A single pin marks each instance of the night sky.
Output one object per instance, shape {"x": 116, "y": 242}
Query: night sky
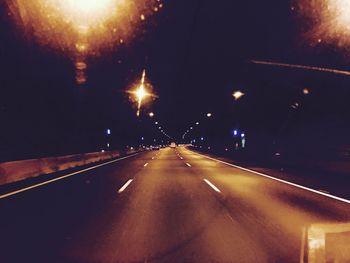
{"x": 196, "y": 54}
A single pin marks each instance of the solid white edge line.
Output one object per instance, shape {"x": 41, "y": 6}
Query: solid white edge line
{"x": 188, "y": 165}
{"x": 124, "y": 186}
{"x": 145, "y": 165}
{"x": 63, "y": 177}
{"x": 277, "y": 179}
{"x": 212, "y": 186}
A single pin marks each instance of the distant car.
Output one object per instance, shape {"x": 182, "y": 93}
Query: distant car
{"x": 155, "y": 148}
{"x": 173, "y": 145}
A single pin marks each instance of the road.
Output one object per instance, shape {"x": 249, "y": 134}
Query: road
{"x": 171, "y": 205}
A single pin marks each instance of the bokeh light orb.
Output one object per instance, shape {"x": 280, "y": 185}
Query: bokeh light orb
{"x": 324, "y": 22}
{"x": 83, "y": 26}
{"x": 341, "y": 11}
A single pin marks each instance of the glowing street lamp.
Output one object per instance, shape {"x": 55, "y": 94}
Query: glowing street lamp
{"x": 209, "y": 114}
{"x": 328, "y": 21}
{"x": 306, "y": 91}
{"x": 80, "y": 28}
{"x": 151, "y": 114}
{"x": 238, "y": 94}
{"x": 141, "y": 94}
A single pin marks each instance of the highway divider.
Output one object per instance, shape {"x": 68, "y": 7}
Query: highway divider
{"x": 15, "y": 171}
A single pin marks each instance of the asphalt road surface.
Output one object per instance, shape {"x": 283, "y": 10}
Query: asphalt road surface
{"x": 171, "y": 205}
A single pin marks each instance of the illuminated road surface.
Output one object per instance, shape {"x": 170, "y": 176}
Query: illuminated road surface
{"x": 162, "y": 206}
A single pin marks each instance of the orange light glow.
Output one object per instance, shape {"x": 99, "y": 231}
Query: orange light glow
{"x": 306, "y": 91}
{"x": 70, "y": 24}
{"x": 80, "y": 28}
{"x": 238, "y": 94}
{"x": 141, "y": 94}
{"x": 85, "y": 12}
{"x": 324, "y": 21}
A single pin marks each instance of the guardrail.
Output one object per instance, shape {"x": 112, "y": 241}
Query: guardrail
{"x": 15, "y": 171}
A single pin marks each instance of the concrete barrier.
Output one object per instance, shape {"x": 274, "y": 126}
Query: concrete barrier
{"x": 20, "y": 170}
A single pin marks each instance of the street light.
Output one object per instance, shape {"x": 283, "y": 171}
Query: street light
{"x": 80, "y": 28}
{"x": 209, "y": 114}
{"x": 108, "y": 132}
{"x": 306, "y": 91}
{"x": 141, "y": 94}
{"x": 238, "y": 94}
{"x": 151, "y": 114}
{"x": 341, "y": 9}
{"x": 328, "y": 22}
